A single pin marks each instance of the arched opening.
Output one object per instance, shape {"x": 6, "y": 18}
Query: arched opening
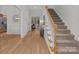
{"x": 3, "y": 23}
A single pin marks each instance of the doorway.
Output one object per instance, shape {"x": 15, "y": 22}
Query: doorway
{"x": 35, "y": 22}
{"x": 3, "y": 23}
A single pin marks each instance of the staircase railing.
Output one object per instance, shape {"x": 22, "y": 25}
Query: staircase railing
{"x": 54, "y": 30}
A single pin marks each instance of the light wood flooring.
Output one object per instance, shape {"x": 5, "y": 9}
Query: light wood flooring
{"x": 30, "y": 44}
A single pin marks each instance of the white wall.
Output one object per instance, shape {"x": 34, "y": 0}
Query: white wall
{"x": 24, "y": 24}
{"x": 12, "y": 26}
{"x": 70, "y": 15}
{"x": 25, "y": 21}
{"x": 0, "y": 8}
{"x": 35, "y": 12}
{"x": 26, "y": 13}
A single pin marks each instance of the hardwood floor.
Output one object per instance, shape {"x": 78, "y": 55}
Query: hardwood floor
{"x": 7, "y": 42}
{"x": 31, "y": 44}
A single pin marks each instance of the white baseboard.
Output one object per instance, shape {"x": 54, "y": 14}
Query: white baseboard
{"x": 13, "y": 33}
{"x": 76, "y": 37}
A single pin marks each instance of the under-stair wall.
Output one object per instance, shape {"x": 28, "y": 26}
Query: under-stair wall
{"x": 70, "y": 16}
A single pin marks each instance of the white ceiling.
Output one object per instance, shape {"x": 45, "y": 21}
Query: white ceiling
{"x": 29, "y": 7}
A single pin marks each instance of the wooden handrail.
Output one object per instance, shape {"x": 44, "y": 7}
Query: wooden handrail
{"x": 54, "y": 29}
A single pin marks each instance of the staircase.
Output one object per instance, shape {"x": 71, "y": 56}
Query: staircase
{"x": 64, "y": 39}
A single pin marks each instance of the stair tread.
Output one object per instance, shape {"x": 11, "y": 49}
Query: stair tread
{"x": 65, "y": 43}
{"x": 59, "y": 22}
{"x": 71, "y": 44}
{"x": 66, "y": 40}
{"x": 63, "y": 30}
{"x": 61, "y": 25}
{"x": 64, "y": 35}
{"x": 68, "y": 50}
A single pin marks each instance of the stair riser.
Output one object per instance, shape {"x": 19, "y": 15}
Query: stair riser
{"x": 53, "y": 13}
{"x": 62, "y": 27}
{"x": 68, "y": 50}
{"x": 65, "y": 44}
{"x": 62, "y": 42}
{"x": 55, "y": 16}
{"x": 68, "y": 53}
{"x": 63, "y": 32}
{"x": 57, "y": 20}
{"x": 59, "y": 23}
{"x": 64, "y": 38}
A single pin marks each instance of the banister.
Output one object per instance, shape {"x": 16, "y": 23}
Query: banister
{"x": 54, "y": 29}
